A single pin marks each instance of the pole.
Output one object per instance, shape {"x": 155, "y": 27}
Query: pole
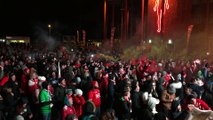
{"x": 125, "y": 19}
{"x": 142, "y": 21}
{"x": 162, "y": 18}
{"x": 49, "y": 29}
{"x": 113, "y": 14}
{"x": 112, "y": 26}
{"x": 105, "y": 26}
{"x": 207, "y": 23}
{"x": 122, "y": 26}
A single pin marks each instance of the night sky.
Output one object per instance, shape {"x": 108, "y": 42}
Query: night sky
{"x": 22, "y": 17}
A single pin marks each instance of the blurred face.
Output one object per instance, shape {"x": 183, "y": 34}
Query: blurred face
{"x": 75, "y": 118}
{"x": 128, "y": 94}
{"x": 63, "y": 82}
{"x": 70, "y": 101}
{"x": 6, "y": 62}
{"x": 137, "y": 87}
{"x": 53, "y": 74}
{"x": 122, "y": 71}
{"x": 34, "y": 76}
{"x": 106, "y": 75}
{"x": 96, "y": 85}
{"x": 27, "y": 71}
{"x": 188, "y": 91}
{"x": 9, "y": 90}
{"x": 193, "y": 101}
{"x": 24, "y": 105}
{"x": 13, "y": 78}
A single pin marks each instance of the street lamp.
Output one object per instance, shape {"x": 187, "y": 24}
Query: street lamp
{"x": 49, "y": 28}
{"x": 150, "y": 41}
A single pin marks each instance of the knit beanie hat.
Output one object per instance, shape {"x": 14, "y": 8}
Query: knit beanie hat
{"x": 79, "y": 92}
{"x": 161, "y": 80}
{"x": 94, "y": 83}
{"x": 78, "y": 80}
{"x": 178, "y": 77}
{"x": 171, "y": 89}
{"x": 69, "y": 91}
{"x": 19, "y": 117}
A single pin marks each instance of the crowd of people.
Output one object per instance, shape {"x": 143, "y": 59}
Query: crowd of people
{"x": 48, "y": 85}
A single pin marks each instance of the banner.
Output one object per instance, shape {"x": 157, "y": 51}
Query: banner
{"x": 190, "y": 27}
{"x": 84, "y": 37}
{"x": 112, "y": 38}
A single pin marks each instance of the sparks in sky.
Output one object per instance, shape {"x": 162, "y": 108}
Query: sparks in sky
{"x": 158, "y": 9}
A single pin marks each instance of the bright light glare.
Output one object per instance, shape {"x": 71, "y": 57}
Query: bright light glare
{"x": 207, "y": 53}
{"x": 49, "y": 26}
{"x": 17, "y": 41}
{"x": 169, "y": 41}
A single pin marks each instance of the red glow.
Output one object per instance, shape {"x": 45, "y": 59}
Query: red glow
{"x": 157, "y": 8}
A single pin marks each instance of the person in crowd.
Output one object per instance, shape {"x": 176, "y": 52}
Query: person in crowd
{"x": 33, "y": 83}
{"x": 108, "y": 115}
{"x": 177, "y": 112}
{"x": 45, "y": 102}
{"x": 68, "y": 107}
{"x": 136, "y": 100}
{"x": 71, "y": 117}
{"x": 88, "y": 111}
{"x": 14, "y": 85}
{"x": 78, "y": 101}
{"x": 95, "y": 96}
{"x": 104, "y": 91}
{"x": 9, "y": 101}
{"x": 149, "y": 111}
{"x": 53, "y": 80}
{"x": 5, "y": 78}
{"x": 167, "y": 97}
{"x": 59, "y": 95}
{"x": 2, "y": 106}
{"x": 24, "y": 109}
{"x": 198, "y": 103}
{"x": 24, "y": 81}
{"x": 124, "y": 106}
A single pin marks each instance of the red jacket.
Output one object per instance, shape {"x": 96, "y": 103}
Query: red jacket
{"x": 78, "y": 102}
{"x": 24, "y": 83}
{"x": 201, "y": 105}
{"x": 95, "y": 97}
{"x": 33, "y": 85}
{"x": 4, "y": 80}
{"x": 67, "y": 110}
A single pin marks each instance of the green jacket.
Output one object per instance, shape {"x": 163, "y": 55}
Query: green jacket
{"x": 45, "y": 101}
